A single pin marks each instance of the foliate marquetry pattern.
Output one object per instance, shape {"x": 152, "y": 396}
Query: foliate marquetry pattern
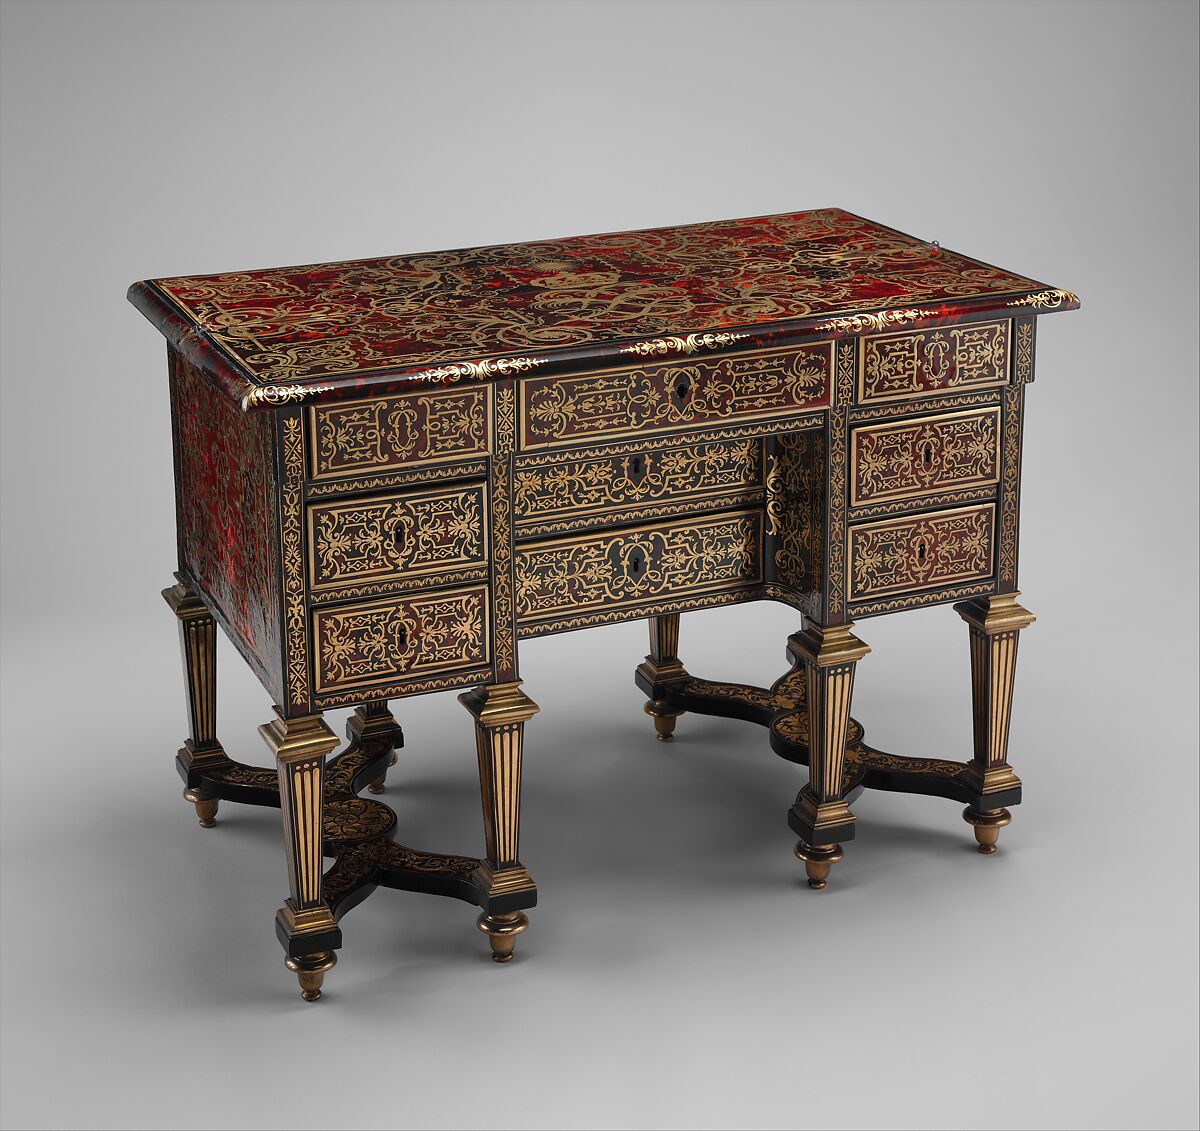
{"x": 365, "y": 644}
{"x": 673, "y": 396}
{"x": 1049, "y": 299}
{"x": 668, "y": 285}
{"x": 922, "y": 405}
{"x": 412, "y": 685}
{"x": 566, "y": 577}
{"x": 687, "y": 505}
{"x": 915, "y": 600}
{"x": 405, "y": 582}
{"x": 291, "y": 539}
{"x": 660, "y": 607}
{"x": 503, "y": 565}
{"x": 227, "y": 478}
{"x": 837, "y": 474}
{"x": 1010, "y": 487}
{"x": 396, "y": 536}
{"x": 925, "y": 455}
{"x": 401, "y": 430}
{"x": 566, "y": 484}
{"x": 1023, "y": 351}
{"x": 928, "y": 361}
{"x": 795, "y": 513}
{"x": 921, "y": 552}
{"x": 936, "y": 499}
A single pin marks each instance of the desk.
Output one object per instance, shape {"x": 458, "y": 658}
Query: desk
{"x": 388, "y": 472}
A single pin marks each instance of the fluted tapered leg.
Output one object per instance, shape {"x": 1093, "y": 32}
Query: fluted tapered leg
{"x": 198, "y": 642}
{"x": 821, "y": 815}
{"x": 305, "y": 925}
{"x": 501, "y": 711}
{"x": 660, "y": 668}
{"x": 995, "y": 624}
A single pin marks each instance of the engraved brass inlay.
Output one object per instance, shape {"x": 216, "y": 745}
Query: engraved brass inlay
{"x": 620, "y": 402}
{"x": 921, "y": 552}
{"x": 291, "y": 536}
{"x": 363, "y": 644}
{"x": 556, "y": 579}
{"x": 922, "y": 456}
{"x": 917, "y": 364}
{"x": 844, "y": 390}
{"x": 416, "y": 533}
{"x": 1050, "y": 299}
{"x": 408, "y": 428}
{"x": 563, "y": 484}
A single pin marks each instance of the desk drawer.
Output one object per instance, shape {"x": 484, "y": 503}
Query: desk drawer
{"x": 411, "y": 637}
{"x": 560, "y": 491}
{"x": 924, "y": 363}
{"x": 613, "y": 570}
{"x": 397, "y": 537}
{"x": 924, "y": 455}
{"x": 674, "y": 396}
{"x": 920, "y": 552}
{"x": 404, "y": 430}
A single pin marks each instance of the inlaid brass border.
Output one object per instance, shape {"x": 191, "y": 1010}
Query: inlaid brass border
{"x": 943, "y": 487}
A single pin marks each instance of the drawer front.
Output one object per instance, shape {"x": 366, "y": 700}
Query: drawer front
{"x": 675, "y": 396}
{"x": 927, "y": 362}
{"x": 397, "y": 536}
{"x": 406, "y": 430}
{"x": 612, "y": 570}
{"x": 381, "y": 642}
{"x": 922, "y": 552}
{"x": 924, "y": 455}
{"x": 589, "y": 487}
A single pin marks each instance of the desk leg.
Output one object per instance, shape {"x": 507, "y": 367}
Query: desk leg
{"x": 198, "y": 640}
{"x": 821, "y": 815}
{"x": 305, "y": 924}
{"x": 995, "y": 624}
{"x": 379, "y": 711}
{"x": 501, "y": 711}
{"x": 662, "y": 667}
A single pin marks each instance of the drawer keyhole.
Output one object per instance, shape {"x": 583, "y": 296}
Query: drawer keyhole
{"x": 637, "y": 469}
{"x": 921, "y": 553}
{"x": 681, "y": 390}
{"x": 927, "y": 456}
{"x": 636, "y": 563}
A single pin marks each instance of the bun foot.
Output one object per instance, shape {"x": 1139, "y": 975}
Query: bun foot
{"x": 310, "y": 969}
{"x": 818, "y": 859}
{"x": 987, "y": 824}
{"x": 502, "y": 931}
{"x": 664, "y": 719}
{"x": 206, "y": 807}
{"x": 379, "y": 784}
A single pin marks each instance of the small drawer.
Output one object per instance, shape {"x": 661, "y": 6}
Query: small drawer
{"x": 924, "y": 455}
{"x": 398, "y": 536}
{"x": 382, "y": 642}
{"x": 921, "y": 552}
{"x": 924, "y": 363}
{"x": 674, "y": 396}
{"x": 615, "y": 570}
{"x": 405, "y": 430}
{"x": 566, "y": 490}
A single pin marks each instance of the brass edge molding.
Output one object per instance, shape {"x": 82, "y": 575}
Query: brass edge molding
{"x": 1050, "y": 299}
{"x": 692, "y": 343}
{"x": 476, "y": 370}
{"x": 882, "y": 320}
{"x": 299, "y": 737}
{"x": 281, "y": 394}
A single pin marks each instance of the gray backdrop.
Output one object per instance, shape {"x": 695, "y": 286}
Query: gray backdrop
{"x": 677, "y": 972}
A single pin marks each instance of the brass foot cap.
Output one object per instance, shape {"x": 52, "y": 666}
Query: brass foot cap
{"x": 664, "y": 719}
{"x": 818, "y": 859}
{"x": 376, "y": 787}
{"x": 987, "y": 824}
{"x": 206, "y": 807}
{"x": 310, "y": 969}
{"x": 502, "y": 932}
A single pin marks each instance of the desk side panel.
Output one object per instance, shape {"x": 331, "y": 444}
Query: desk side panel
{"x": 226, "y": 491}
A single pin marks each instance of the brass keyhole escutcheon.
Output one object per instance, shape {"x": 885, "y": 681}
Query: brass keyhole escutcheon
{"x": 636, "y": 563}
{"x": 921, "y": 552}
{"x": 927, "y": 456}
{"x": 681, "y": 390}
{"x": 637, "y": 469}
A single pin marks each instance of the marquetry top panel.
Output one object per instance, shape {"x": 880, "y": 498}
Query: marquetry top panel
{"x": 324, "y": 331}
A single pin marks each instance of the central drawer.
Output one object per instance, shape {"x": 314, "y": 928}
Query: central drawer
{"x": 674, "y": 396}
{"x": 559, "y": 491}
{"x": 616, "y": 570}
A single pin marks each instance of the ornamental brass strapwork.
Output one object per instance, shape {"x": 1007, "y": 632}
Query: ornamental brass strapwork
{"x": 397, "y": 536}
{"x": 674, "y": 396}
{"x": 883, "y": 320}
{"x": 370, "y": 643}
{"x": 562, "y": 485}
{"x": 692, "y": 343}
{"x": 431, "y": 426}
{"x": 565, "y": 577}
{"x": 291, "y": 540}
{"x": 1049, "y": 299}
{"x": 923, "y": 362}
{"x": 920, "y": 457}
{"x": 922, "y": 552}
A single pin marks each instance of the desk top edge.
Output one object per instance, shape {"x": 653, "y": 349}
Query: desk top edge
{"x": 846, "y": 257}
